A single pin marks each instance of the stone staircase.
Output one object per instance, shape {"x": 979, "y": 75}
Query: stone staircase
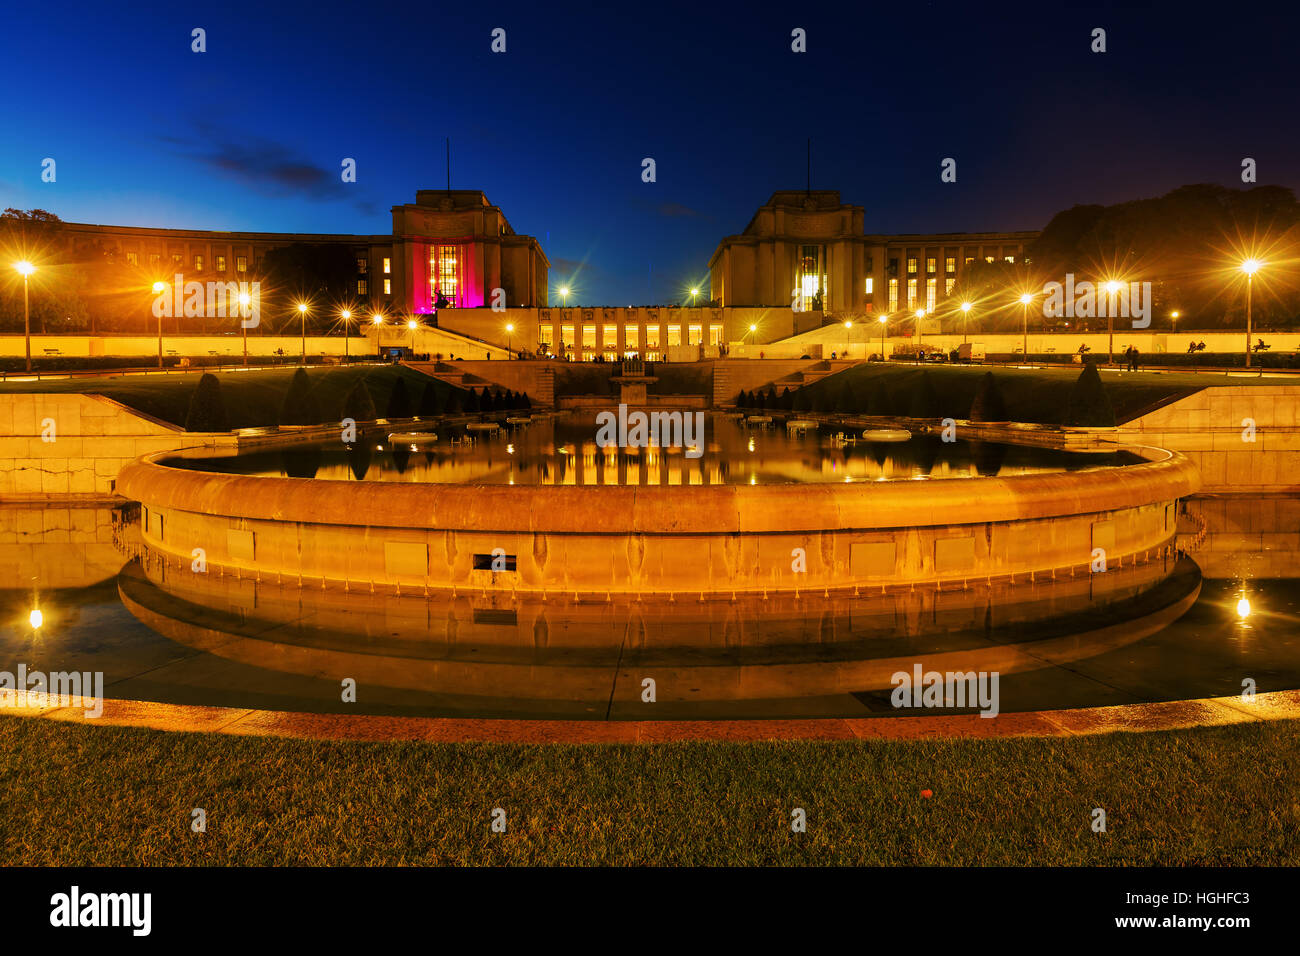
{"x": 725, "y": 385}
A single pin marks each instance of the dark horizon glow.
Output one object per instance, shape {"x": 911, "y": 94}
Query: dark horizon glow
{"x": 249, "y": 136}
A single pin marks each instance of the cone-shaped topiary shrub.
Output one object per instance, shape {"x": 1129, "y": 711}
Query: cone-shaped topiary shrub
{"x": 455, "y": 405}
{"x": 988, "y": 405}
{"x": 299, "y": 406}
{"x": 207, "y": 408}
{"x": 1089, "y": 404}
{"x": 430, "y": 401}
{"x": 399, "y": 401}
{"x": 358, "y": 403}
{"x": 924, "y": 400}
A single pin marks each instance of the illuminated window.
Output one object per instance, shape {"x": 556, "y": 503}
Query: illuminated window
{"x": 911, "y": 293}
{"x": 445, "y": 275}
{"x": 715, "y": 335}
{"x": 893, "y": 295}
{"x": 929, "y": 264}
{"x": 870, "y": 284}
{"x": 589, "y": 337}
{"x": 609, "y": 339}
{"x": 544, "y": 333}
{"x": 154, "y": 258}
{"x": 652, "y": 336}
{"x": 566, "y": 336}
{"x": 388, "y": 265}
{"x": 177, "y": 259}
{"x": 363, "y": 287}
{"x": 969, "y": 260}
{"x": 630, "y": 336}
{"x": 241, "y": 263}
{"x": 911, "y": 265}
{"x": 221, "y": 263}
{"x": 1010, "y": 259}
{"x": 948, "y": 283}
{"x": 388, "y": 287}
{"x": 810, "y": 273}
{"x": 694, "y": 334}
{"x": 930, "y": 287}
{"x": 950, "y": 264}
{"x": 674, "y": 335}
{"x": 988, "y": 259}
{"x": 198, "y": 263}
{"x": 132, "y": 259}
{"x": 361, "y": 265}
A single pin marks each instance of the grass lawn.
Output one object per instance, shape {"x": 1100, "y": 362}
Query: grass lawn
{"x": 1031, "y": 395}
{"x": 252, "y": 397}
{"x": 104, "y": 795}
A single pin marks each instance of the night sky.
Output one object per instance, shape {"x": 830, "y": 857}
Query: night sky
{"x": 250, "y": 134}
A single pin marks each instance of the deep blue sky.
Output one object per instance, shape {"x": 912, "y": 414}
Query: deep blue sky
{"x": 250, "y": 134}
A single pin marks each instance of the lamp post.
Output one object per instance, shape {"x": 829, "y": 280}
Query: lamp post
{"x": 694, "y": 293}
{"x": 1025, "y": 299}
{"x": 920, "y": 314}
{"x": 302, "y": 312}
{"x": 564, "y": 296}
{"x": 412, "y": 325}
{"x": 883, "y": 320}
{"x": 244, "y": 300}
{"x": 377, "y": 320}
{"x": 25, "y": 268}
{"x": 1111, "y": 288}
{"x": 510, "y": 331}
{"x": 848, "y": 335}
{"x": 1250, "y": 267}
{"x": 965, "y": 320}
{"x": 347, "y": 316}
{"x": 158, "y": 288}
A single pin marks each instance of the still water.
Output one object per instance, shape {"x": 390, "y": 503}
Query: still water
{"x": 1195, "y": 628}
{"x": 562, "y": 450}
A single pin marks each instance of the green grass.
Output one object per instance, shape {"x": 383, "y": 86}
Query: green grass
{"x": 252, "y": 398}
{"x": 1032, "y": 395}
{"x": 78, "y": 794}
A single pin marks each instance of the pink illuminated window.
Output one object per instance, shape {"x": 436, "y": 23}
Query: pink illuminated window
{"x": 445, "y": 274}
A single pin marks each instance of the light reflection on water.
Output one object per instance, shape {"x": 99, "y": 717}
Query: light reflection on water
{"x": 562, "y": 450}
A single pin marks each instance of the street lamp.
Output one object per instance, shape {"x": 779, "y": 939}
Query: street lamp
{"x": 347, "y": 317}
{"x": 883, "y": 320}
{"x": 920, "y": 314}
{"x": 1025, "y": 299}
{"x": 848, "y": 335}
{"x": 510, "y": 331}
{"x": 25, "y": 268}
{"x": 244, "y": 300}
{"x": 1111, "y": 288}
{"x": 158, "y": 288}
{"x": 564, "y": 295}
{"x": 302, "y": 311}
{"x": 965, "y": 320}
{"x": 694, "y": 293}
{"x": 412, "y": 325}
{"x": 1250, "y": 267}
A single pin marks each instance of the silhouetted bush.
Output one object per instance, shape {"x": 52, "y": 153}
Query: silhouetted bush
{"x": 430, "y": 401}
{"x": 299, "y": 406}
{"x": 1089, "y": 404}
{"x": 472, "y": 404}
{"x": 525, "y": 402}
{"x": 455, "y": 404}
{"x": 924, "y": 400}
{"x": 399, "y": 401}
{"x": 358, "y": 404}
{"x": 988, "y": 405}
{"x": 207, "y": 408}
{"x": 802, "y": 400}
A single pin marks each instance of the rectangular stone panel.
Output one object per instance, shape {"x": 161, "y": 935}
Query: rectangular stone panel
{"x": 954, "y": 554}
{"x": 239, "y": 544}
{"x": 872, "y": 559}
{"x": 406, "y": 558}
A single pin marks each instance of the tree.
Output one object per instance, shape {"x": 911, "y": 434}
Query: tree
{"x": 207, "y": 407}
{"x": 454, "y": 403}
{"x": 525, "y": 402}
{"x": 471, "y": 402}
{"x": 300, "y": 406}
{"x": 1089, "y": 404}
{"x": 924, "y": 399}
{"x": 399, "y": 401}
{"x": 358, "y": 404}
{"x": 430, "y": 401}
{"x": 988, "y": 405}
